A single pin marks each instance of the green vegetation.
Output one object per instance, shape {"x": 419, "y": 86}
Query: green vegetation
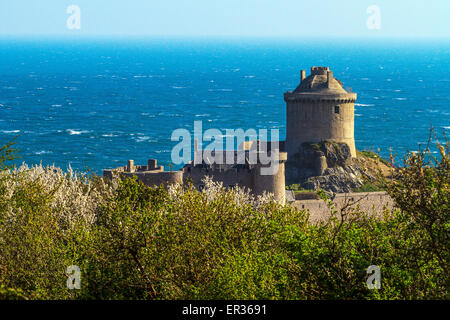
{"x": 375, "y": 156}
{"x": 135, "y": 242}
{"x": 369, "y": 154}
{"x": 7, "y": 153}
{"x": 297, "y": 188}
{"x": 317, "y": 145}
{"x": 370, "y": 186}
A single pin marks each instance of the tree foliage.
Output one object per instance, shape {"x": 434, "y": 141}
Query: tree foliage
{"x": 136, "y": 242}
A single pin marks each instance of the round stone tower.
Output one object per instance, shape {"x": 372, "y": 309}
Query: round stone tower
{"x": 319, "y": 109}
{"x": 273, "y": 182}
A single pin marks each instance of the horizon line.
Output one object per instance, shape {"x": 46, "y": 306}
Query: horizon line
{"x": 286, "y": 36}
{"x": 74, "y": 36}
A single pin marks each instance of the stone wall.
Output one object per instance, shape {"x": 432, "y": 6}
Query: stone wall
{"x": 156, "y": 179}
{"x": 316, "y": 121}
{"x": 247, "y": 176}
{"x": 240, "y": 175}
{"x": 372, "y": 203}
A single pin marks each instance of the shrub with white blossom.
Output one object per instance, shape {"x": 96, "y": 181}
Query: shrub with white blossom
{"x": 131, "y": 241}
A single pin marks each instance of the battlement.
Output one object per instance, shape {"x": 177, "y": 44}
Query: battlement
{"x": 320, "y": 84}
{"x": 151, "y": 167}
{"x": 246, "y": 175}
{"x": 150, "y": 174}
{"x": 319, "y": 70}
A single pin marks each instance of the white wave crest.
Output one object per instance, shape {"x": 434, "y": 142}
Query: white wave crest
{"x": 76, "y": 132}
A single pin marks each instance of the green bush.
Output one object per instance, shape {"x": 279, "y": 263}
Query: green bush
{"x": 182, "y": 247}
{"x": 373, "y": 155}
{"x": 7, "y": 153}
{"x": 136, "y": 242}
{"x": 370, "y": 186}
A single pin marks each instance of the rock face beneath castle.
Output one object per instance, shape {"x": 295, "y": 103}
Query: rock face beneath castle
{"x": 330, "y": 166}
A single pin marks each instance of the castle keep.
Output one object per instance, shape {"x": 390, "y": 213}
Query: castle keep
{"x": 319, "y": 110}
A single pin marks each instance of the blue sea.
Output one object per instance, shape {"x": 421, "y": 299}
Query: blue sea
{"x": 94, "y": 103}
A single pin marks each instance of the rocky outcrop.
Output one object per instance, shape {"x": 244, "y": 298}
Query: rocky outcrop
{"x": 329, "y": 166}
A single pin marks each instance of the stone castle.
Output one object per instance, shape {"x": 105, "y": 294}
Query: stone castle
{"x": 319, "y": 110}
{"x": 245, "y": 175}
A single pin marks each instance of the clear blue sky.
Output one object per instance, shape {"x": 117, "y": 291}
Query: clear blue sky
{"x": 266, "y": 18}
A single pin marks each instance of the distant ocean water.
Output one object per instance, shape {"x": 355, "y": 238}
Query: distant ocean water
{"x": 96, "y": 103}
